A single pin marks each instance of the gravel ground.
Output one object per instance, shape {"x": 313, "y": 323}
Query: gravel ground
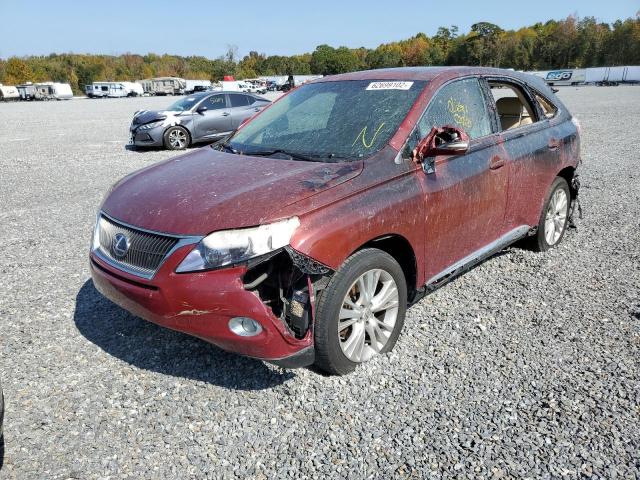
{"x": 527, "y": 366}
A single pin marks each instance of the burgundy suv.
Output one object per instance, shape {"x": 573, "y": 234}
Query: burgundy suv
{"x": 305, "y": 235}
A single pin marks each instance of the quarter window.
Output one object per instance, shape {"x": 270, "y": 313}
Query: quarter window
{"x": 460, "y": 104}
{"x": 548, "y": 108}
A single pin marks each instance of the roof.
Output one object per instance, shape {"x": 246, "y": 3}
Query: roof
{"x": 432, "y": 73}
{"x": 423, "y": 73}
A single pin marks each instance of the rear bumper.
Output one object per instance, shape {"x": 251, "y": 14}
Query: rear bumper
{"x": 201, "y": 304}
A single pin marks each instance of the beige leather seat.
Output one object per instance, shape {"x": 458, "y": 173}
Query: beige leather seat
{"x": 512, "y": 113}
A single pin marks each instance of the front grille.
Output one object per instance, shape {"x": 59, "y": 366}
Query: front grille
{"x": 146, "y": 250}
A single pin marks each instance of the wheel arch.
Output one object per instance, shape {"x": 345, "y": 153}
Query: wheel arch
{"x": 569, "y": 173}
{"x": 402, "y": 251}
{"x": 189, "y": 134}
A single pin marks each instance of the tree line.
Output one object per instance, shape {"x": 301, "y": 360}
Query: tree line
{"x": 569, "y": 43}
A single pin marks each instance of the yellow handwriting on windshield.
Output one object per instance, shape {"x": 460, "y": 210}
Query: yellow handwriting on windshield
{"x": 460, "y": 113}
{"x": 363, "y": 135}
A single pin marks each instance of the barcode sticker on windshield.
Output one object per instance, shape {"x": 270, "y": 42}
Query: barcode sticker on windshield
{"x": 389, "y": 86}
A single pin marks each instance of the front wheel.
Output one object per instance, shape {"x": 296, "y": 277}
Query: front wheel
{"x": 176, "y": 138}
{"x": 361, "y": 312}
{"x": 555, "y": 216}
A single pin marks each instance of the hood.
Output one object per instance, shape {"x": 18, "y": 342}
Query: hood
{"x": 148, "y": 116}
{"x": 207, "y": 190}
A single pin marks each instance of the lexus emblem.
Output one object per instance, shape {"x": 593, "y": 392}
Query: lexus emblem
{"x": 120, "y": 245}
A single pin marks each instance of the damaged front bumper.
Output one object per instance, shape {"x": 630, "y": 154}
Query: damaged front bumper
{"x": 203, "y": 303}
{"x": 152, "y": 137}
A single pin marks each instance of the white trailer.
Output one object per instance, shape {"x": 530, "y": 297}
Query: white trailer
{"x": 632, "y": 74}
{"x": 116, "y": 90}
{"x": 53, "y": 91}
{"x": 8, "y": 93}
{"x": 62, "y": 91}
{"x": 562, "y": 77}
{"x": 27, "y": 91}
{"x": 163, "y": 86}
{"x": 134, "y": 89}
{"x": 613, "y": 75}
{"x": 168, "y": 86}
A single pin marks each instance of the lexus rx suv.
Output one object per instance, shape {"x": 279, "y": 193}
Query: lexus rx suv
{"x": 305, "y": 236}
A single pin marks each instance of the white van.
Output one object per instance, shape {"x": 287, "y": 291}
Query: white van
{"x": 97, "y": 90}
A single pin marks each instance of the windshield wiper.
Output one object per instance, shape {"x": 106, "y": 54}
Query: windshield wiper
{"x": 295, "y": 156}
{"x": 226, "y": 147}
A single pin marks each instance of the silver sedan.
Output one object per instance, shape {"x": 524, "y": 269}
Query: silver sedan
{"x": 202, "y": 117}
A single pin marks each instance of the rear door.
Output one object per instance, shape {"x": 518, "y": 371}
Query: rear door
{"x": 242, "y": 107}
{"x": 215, "y": 121}
{"x": 464, "y": 195}
{"x": 531, "y": 146}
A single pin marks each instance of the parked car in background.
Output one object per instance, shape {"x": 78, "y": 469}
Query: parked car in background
{"x": 201, "y": 117}
{"x": 305, "y": 235}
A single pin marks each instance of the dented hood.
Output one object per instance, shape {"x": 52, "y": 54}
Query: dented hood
{"x": 208, "y": 190}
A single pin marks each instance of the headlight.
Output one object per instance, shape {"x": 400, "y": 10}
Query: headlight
{"x": 149, "y": 126}
{"x": 234, "y": 246}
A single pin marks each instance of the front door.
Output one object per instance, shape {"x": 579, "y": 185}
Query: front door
{"x": 464, "y": 195}
{"x": 215, "y": 121}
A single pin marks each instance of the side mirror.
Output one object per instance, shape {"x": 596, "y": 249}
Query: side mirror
{"x": 201, "y": 109}
{"x": 447, "y": 140}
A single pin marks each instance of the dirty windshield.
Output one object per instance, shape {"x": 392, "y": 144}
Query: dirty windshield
{"x": 185, "y": 103}
{"x": 330, "y": 121}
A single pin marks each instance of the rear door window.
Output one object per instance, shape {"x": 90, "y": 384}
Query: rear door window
{"x": 460, "y": 104}
{"x": 513, "y": 107}
{"x": 238, "y": 100}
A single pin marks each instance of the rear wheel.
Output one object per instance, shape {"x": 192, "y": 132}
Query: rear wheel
{"x": 554, "y": 218}
{"x": 361, "y": 312}
{"x": 176, "y": 138}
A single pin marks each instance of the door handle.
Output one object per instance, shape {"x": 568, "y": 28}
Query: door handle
{"x": 553, "y": 144}
{"x": 225, "y": 114}
{"x": 496, "y": 162}
{"x": 257, "y": 109}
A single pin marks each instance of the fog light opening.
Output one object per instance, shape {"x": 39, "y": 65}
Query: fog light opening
{"x": 244, "y": 326}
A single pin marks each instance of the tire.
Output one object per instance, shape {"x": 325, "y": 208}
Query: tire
{"x": 176, "y": 138}
{"x": 554, "y": 212}
{"x": 333, "y": 350}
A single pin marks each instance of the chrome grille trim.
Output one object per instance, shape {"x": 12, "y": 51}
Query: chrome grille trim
{"x": 148, "y": 249}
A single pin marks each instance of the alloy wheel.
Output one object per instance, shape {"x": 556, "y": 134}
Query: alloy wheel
{"x": 368, "y": 315}
{"x": 178, "y": 138}
{"x": 556, "y": 217}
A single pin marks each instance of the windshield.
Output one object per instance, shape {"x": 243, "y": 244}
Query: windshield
{"x": 330, "y": 120}
{"x": 185, "y": 103}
